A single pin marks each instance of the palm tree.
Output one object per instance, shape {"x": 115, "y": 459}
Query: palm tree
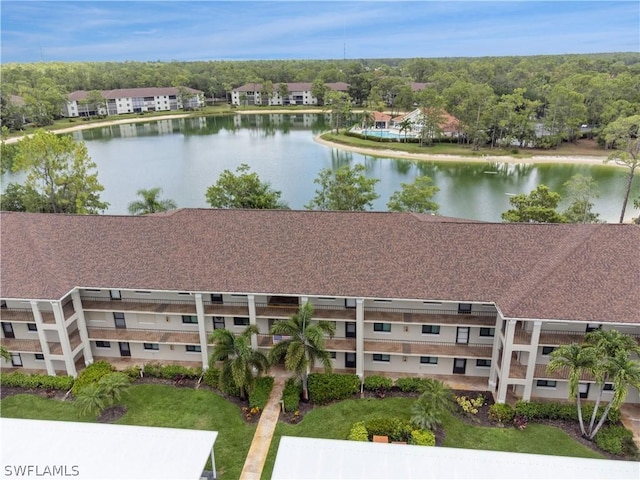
{"x": 610, "y": 344}
{"x": 304, "y": 345}
{"x": 434, "y": 401}
{"x": 150, "y": 202}
{"x": 4, "y": 353}
{"x": 239, "y": 359}
{"x": 405, "y": 125}
{"x": 95, "y": 397}
{"x": 578, "y": 359}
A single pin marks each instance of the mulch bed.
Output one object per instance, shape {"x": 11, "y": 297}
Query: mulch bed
{"x": 111, "y": 414}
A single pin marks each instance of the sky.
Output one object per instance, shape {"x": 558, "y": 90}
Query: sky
{"x": 34, "y": 31}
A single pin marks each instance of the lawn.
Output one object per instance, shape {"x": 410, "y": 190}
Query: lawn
{"x": 334, "y": 421}
{"x": 160, "y": 406}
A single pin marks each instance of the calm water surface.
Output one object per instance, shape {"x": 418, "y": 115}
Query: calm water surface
{"x": 185, "y": 156}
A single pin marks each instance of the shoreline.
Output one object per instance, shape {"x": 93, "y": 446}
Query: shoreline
{"x": 387, "y": 153}
{"x": 539, "y": 159}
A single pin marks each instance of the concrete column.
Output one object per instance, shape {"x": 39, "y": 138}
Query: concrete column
{"x": 82, "y": 328}
{"x": 360, "y": 338}
{"x": 497, "y": 341}
{"x": 202, "y": 331}
{"x": 63, "y": 334}
{"x": 252, "y": 319}
{"x": 43, "y": 338}
{"x": 506, "y": 361}
{"x": 533, "y": 356}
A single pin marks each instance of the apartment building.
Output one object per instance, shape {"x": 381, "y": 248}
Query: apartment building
{"x": 134, "y": 100}
{"x": 409, "y": 294}
{"x": 297, "y": 94}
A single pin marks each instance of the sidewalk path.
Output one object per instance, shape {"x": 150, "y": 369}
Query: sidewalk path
{"x": 630, "y": 418}
{"x": 257, "y": 455}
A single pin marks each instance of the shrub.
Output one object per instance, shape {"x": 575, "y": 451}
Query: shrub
{"x": 92, "y": 374}
{"x": 409, "y": 384}
{"x": 35, "y": 380}
{"x": 227, "y": 385}
{"x": 470, "y": 405}
{"x": 501, "y": 412}
{"x": 259, "y": 395}
{"x": 291, "y": 394}
{"x": 397, "y": 430}
{"x": 170, "y": 372}
{"x": 358, "y": 433}
{"x": 617, "y": 440}
{"x": 211, "y": 377}
{"x": 520, "y": 422}
{"x": 132, "y": 372}
{"x": 422, "y": 437}
{"x": 536, "y": 411}
{"x": 327, "y": 387}
{"x": 378, "y": 383}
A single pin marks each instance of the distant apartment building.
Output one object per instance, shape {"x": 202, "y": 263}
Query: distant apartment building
{"x": 134, "y": 100}
{"x": 409, "y": 294}
{"x": 296, "y": 94}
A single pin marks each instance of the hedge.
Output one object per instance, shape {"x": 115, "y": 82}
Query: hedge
{"x": 616, "y": 439}
{"x": 211, "y": 378}
{"x": 422, "y": 437}
{"x": 35, "y": 380}
{"x": 411, "y": 384}
{"x": 92, "y": 374}
{"x": 377, "y": 383}
{"x": 358, "y": 433}
{"x": 501, "y": 412}
{"x": 328, "y": 387}
{"x": 260, "y": 392}
{"x": 291, "y": 394}
{"x": 171, "y": 372}
{"x": 397, "y": 430}
{"x": 535, "y": 411}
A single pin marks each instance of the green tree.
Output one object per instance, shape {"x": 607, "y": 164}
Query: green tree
{"x": 339, "y": 105}
{"x": 344, "y": 189}
{"x": 283, "y": 91}
{"x": 60, "y": 170}
{"x": 580, "y": 190}
{"x": 435, "y": 400}
{"x": 539, "y": 206}
{"x": 415, "y": 197}
{"x": 472, "y": 104}
{"x": 319, "y": 90}
{"x": 303, "y": 344}
{"x": 95, "y": 397}
{"x": 4, "y": 353}
{"x": 150, "y": 203}
{"x": 624, "y": 135}
{"x": 243, "y": 190}
{"x": 564, "y": 114}
{"x": 577, "y": 360}
{"x": 239, "y": 359}
{"x": 18, "y": 198}
{"x": 405, "y": 126}
{"x": 96, "y": 102}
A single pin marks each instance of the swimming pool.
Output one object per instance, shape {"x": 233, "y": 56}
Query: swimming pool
{"x": 381, "y": 134}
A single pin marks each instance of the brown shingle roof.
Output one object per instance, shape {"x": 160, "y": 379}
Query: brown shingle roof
{"x": 566, "y": 272}
{"x": 292, "y": 87}
{"x": 132, "y": 92}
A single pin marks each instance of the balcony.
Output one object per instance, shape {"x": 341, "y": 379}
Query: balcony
{"x": 471, "y": 350}
{"x": 519, "y": 371}
{"x": 17, "y": 315}
{"x": 320, "y": 312}
{"x": 55, "y": 348}
{"x": 228, "y": 309}
{"x": 142, "y": 306}
{"x": 441, "y": 317}
{"x": 143, "y": 335}
{"x": 19, "y": 345}
{"x": 340, "y": 344}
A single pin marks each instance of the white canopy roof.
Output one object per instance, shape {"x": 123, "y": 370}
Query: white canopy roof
{"x": 102, "y": 451}
{"x": 313, "y": 458}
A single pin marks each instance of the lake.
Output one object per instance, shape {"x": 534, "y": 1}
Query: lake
{"x": 185, "y": 156}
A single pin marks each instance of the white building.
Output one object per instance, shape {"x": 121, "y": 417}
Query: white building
{"x": 297, "y": 94}
{"x": 134, "y": 100}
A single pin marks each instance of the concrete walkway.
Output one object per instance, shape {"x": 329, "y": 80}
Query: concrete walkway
{"x": 630, "y": 418}
{"x": 257, "y": 455}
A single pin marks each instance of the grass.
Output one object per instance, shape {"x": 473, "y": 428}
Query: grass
{"x": 160, "y": 406}
{"x": 581, "y": 147}
{"x": 334, "y": 422}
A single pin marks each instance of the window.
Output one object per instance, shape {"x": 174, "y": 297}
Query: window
{"x": 32, "y": 327}
{"x": 381, "y": 327}
{"x": 432, "y": 303}
{"x": 142, "y": 292}
{"x": 593, "y": 326}
{"x": 429, "y": 360}
{"x": 332, "y": 355}
{"x": 380, "y": 300}
{"x": 350, "y": 330}
{"x": 218, "y": 323}
{"x": 487, "y": 332}
{"x": 546, "y": 383}
{"x": 464, "y": 308}
{"x": 608, "y": 387}
{"x": 16, "y": 360}
{"x": 350, "y": 360}
{"x": 216, "y": 298}
{"x": 349, "y": 303}
{"x": 381, "y": 357}
{"x": 547, "y": 350}
{"x": 3, "y": 304}
{"x": 118, "y": 318}
{"x": 183, "y": 293}
{"x": 240, "y": 321}
{"x": 39, "y": 356}
{"x": 483, "y": 362}
{"x": 431, "y": 329}
{"x": 193, "y": 348}
{"x": 151, "y": 346}
{"x": 103, "y": 344}
{"x": 189, "y": 319}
